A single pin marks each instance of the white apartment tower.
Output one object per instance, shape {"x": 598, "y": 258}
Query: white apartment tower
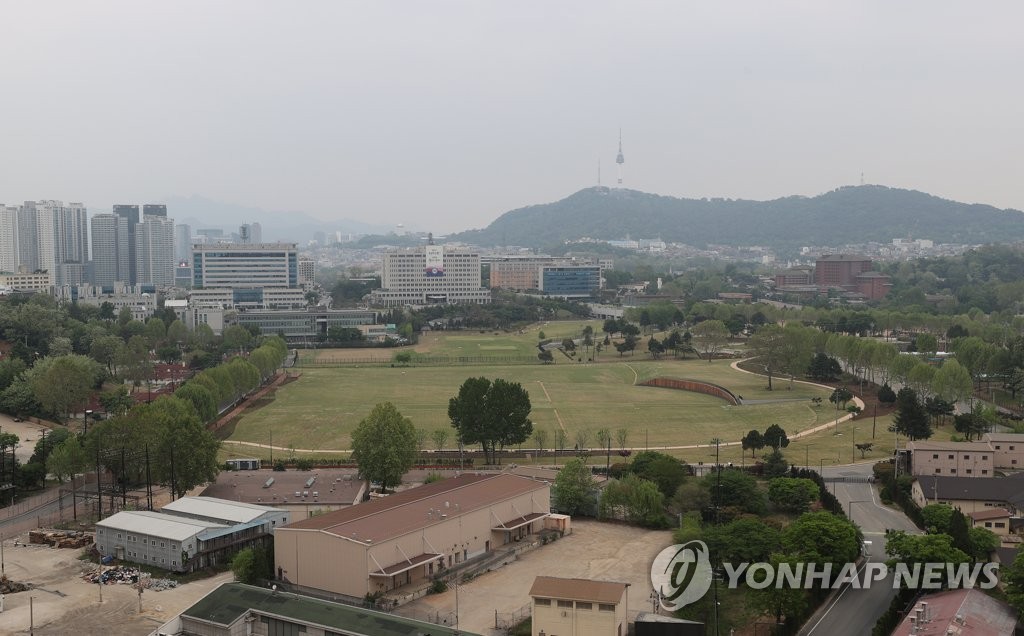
{"x": 154, "y": 251}
{"x": 430, "y": 274}
{"x": 183, "y": 242}
{"x": 110, "y": 250}
{"x": 8, "y": 238}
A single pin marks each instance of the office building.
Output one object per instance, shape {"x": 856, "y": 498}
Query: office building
{"x": 307, "y": 272}
{"x": 428, "y": 275}
{"x": 258, "y": 265}
{"x": 250, "y": 233}
{"x": 306, "y": 325}
{"x": 151, "y": 209}
{"x": 249, "y": 298}
{"x": 154, "y": 251}
{"x": 110, "y": 250}
{"x": 118, "y": 295}
{"x": 27, "y": 282}
{"x": 570, "y": 281}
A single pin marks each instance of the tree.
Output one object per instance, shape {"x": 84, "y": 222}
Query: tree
{"x": 976, "y": 423}
{"x": 573, "y": 489}
{"x": 793, "y": 494}
{"x": 177, "y": 333}
{"x": 959, "y": 529}
{"x": 1012, "y": 576}
{"x": 244, "y": 567}
{"x": 864, "y": 447}
{"x": 635, "y": 500}
{"x": 952, "y": 382}
{"x": 840, "y": 396}
{"x": 743, "y": 540}
{"x": 775, "y": 437}
{"x": 546, "y": 357}
{"x": 582, "y": 439}
{"x": 183, "y": 453}
{"x": 822, "y": 537}
{"x": 62, "y": 384}
{"x": 775, "y": 464}
{"x": 665, "y": 471}
{"x": 753, "y": 441}
{"x": 67, "y": 459}
{"x": 767, "y": 344}
{"x": 824, "y": 368}
{"x": 886, "y": 395}
{"x": 440, "y": 437}
{"x": 493, "y": 414}
{"x": 384, "y": 445}
{"x": 710, "y": 337}
{"x": 155, "y": 332}
{"x": 936, "y": 518}
{"x": 604, "y": 438}
{"x": 783, "y": 602}
{"x": 737, "y": 490}
{"x": 924, "y": 548}
{"x": 655, "y": 348}
{"x": 422, "y": 435}
{"x": 983, "y": 543}
{"x": 116, "y": 402}
{"x": 911, "y": 419}
{"x": 621, "y": 437}
{"x": 541, "y": 437}
{"x": 236, "y": 337}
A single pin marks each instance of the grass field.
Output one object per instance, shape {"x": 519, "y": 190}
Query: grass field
{"x": 319, "y": 411}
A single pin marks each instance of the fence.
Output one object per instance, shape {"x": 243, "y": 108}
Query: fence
{"x": 507, "y": 621}
{"x": 31, "y": 504}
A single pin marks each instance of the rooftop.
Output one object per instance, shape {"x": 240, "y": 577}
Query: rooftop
{"x": 1009, "y": 489}
{"x": 230, "y": 603}
{"x": 842, "y": 257}
{"x": 410, "y": 510}
{"x": 214, "y": 508}
{"x": 991, "y": 513}
{"x": 1005, "y": 437}
{"x": 339, "y": 487}
{"x": 157, "y": 524}
{"x": 966, "y": 447}
{"x": 963, "y": 612}
{"x": 578, "y": 589}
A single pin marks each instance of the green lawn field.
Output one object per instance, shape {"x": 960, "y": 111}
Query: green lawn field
{"x": 319, "y": 411}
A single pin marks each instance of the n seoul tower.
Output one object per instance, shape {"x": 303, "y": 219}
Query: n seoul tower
{"x": 619, "y": 159}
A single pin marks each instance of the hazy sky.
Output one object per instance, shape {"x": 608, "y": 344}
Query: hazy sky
{"x": 443, "y": 115}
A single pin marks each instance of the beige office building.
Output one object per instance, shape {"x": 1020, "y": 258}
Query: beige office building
{"x": 1007, "y": 450}
{"x": 411, "y": 536}
{"x": 956, "y": 459}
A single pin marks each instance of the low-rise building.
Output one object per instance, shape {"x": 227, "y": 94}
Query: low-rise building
{"x": 310, "y": 324}
{"x": 1007, "y": 450}
{"x": 959, "y": 459}
{"x": 234, "y": 609}
{"x": 995, "y": 519}
{"x": 302, "y": 493}
{"x": 227, "y": 512}
{"x": 971, "y": 494}
{"x": 410, "y": 536}
{"x": 960, "y": 612}
{"x": 23, "y": 281}
{"x": 579, "y": 606}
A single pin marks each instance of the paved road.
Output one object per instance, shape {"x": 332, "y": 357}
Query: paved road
{"x": 855, "y": 611}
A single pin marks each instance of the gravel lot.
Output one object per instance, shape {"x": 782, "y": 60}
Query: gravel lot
{"x": 594, "y": 550}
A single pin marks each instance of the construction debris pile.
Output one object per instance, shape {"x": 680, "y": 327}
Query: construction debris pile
{"x": 60, "y": 538}
{"x": 111, "y": 576}
{"x": 8, "y": 586}
{"x": 126, "y": 575}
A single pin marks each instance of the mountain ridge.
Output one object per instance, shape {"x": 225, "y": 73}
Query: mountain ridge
{"x": 850, "y": 214}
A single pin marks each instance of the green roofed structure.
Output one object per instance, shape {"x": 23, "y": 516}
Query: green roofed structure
{"x": 228, "y": 608}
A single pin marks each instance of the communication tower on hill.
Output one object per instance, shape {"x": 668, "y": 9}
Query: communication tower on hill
{"x": 619, "y": 159}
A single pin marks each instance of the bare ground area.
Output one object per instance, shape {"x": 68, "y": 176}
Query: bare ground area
{"x": 65, "y": 604}
{"x": 594, "y": 550}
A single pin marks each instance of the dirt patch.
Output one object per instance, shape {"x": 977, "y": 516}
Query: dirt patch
{"x": 594, "y": 550}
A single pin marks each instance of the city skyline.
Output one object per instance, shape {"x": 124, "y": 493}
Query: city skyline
{"x": 444, "y": 116}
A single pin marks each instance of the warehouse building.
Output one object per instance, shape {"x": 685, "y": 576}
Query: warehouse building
{"x": 188, "y": 534}
{"x": 411, "y": 536}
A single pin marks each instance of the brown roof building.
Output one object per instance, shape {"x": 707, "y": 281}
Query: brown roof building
{"x": 579, "y": 606}
{"x": 851, "y": 273}
{"x": 411, "y": 536}
{"x": 301, "y": 492}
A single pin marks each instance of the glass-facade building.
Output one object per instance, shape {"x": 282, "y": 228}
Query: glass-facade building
{"x": 574, "y": 281}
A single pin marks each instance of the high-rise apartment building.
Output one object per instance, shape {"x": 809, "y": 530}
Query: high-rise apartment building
{"x": 183, "y": 242}
{"x": 152, "y": 209}
{"x": 130, "y": 213}
{"x": 250, "y": 233}
{"x": 226, "y": 265}
{"x": 35, "y": 236}
{"x": 50, "y": 236}
{"x": 110, "y": 249}
{"x": 8, "y": 238}
{"x": 430, "y": 274}
{"x": 154, "y": 251}
{"x": 71, "y": 242}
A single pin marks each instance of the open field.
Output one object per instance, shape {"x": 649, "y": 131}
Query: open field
{"x": 474, "y": 343}
{"x": 319, "y": 411}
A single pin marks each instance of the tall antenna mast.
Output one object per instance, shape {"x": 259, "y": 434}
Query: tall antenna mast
{"x": 599, "y": 173}
{"x": 619, "y": 159}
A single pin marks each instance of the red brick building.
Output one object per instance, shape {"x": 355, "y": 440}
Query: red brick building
{"x": 851, "y": 273}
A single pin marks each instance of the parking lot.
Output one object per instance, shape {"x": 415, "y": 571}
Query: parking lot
{"x": 594, "y": 550}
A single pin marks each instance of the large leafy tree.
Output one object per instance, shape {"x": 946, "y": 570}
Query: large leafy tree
{"x": 753, "y": 441}
{"x": 493, "y": 414}
{"x": 793, "y": 494}
{"x": 384, "y": 445}
{"x": 183, "y": 453}
{"x": 768, "y": 346}
{"x": 822, "y": 537}
{"x": 710, "y": 337}
{"x": 667, "y": 472}
{"x": 62, "y": 384}
{"x": 775, "y": 437}
{"x": 635, "y": 500}
{"x": 573, "y": 491}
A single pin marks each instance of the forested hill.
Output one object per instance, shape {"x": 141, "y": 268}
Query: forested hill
{"x": 853, "y": 214}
